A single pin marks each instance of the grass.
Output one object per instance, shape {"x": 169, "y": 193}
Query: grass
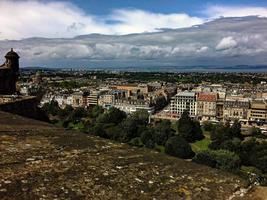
{"x": 201, "y": 145}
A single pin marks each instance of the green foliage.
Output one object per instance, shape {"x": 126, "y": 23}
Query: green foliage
{"x": 221, "y": 159}
{"x": 189, "y": 129}
{"x": 254, "y": 153}
{"x": 147, "y": 138}
{"x": 256, "y": 132}
{"x": 227, "y": 137}
{"x": 205, "y": 158}
{"x": 65, "y": 112}
{"x": 95, "y": 111}
{"x": 77, "y": 114}
{"x": 235, "y": 130}
{"x": 178, "y": 147}
{"x": 163, "y": 132}
{"x": 160, "y": 102}
{"x": 208, "y": 126}
{"x": 51, "y": 108}
{"x": 98, "y": 130}
{"x": 136, "y": 142}
{"x": 113, "y": 115}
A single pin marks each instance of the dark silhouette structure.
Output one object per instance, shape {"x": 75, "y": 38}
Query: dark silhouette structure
{"x": 9, "y": 73}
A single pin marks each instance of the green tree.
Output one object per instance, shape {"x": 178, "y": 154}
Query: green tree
{"x": 189, "y": 129}
{"x": 113, "y": 115}
{"x": 147, "y": 138}
{"x": 64, "y": 113}
{"x": 163, "y": 132}
{"x": 235, "y": 130}
{"x": 178, "y": 147}
{"x": 51, "y": 108}
{"x": 208, "y": 126}
{"x": 77, "y": 114}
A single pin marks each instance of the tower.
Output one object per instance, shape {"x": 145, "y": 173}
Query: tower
{"x": 9, "y": 73}
{"x": 12, "y": 61}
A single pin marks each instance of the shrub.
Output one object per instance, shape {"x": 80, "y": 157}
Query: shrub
{"x": 205, "y": 158}
{"x": 178, "y": 147}
{"x": 221, "y": 159}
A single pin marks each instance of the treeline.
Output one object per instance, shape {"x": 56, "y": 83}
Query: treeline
{"x": 186, "y": 78}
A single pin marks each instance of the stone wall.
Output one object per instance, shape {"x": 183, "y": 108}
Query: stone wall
{"x": 24, "y": 106}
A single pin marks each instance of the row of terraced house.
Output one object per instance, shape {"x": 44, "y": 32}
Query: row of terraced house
{"x": 217, "y": 107}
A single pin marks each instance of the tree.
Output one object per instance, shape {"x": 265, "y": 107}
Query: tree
{"x": 187, "y": 128}
{"x": 256, "y": 132}
{"x": 147, "y": 138}
{"x": 77, "y": 114}
{"x": 163, "y": 132}
{"x": 114, "y": 133}
{"x": 160, "y": 102}
{"x": 51, "y": 108}
{"x": 64, "y": 113}
{"x": 113, "y": 115}
{"x": 219, "y": 135}
{"x": 141, "y": 117}
{"x": 235, "y": 130}
{"x": 178, "y": 147}
{"x": 96, "y": 111}
{"x": 98, "y": 130}
{"x": 131, "y": 125}
{"x": 208, "y": 126}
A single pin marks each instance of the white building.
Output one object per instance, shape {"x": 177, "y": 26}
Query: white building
{"x": 130, "y": 106}
{"x": 184, "y": 101}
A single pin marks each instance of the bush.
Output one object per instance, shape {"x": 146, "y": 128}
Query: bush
{"x": 205, "y": 158}
{"x": 208, "y": 126}
{"x": 221, "y": 159}
{"x": 178, "y": 147}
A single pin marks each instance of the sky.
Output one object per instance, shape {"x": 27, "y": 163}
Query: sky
{"x": 168, "y": 31}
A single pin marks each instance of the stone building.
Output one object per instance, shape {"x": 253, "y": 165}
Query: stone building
{"x": 207, "y": 105}
{"x": 258, "y": 111}
{"x": 184, "y": 101}
{"x": 236, "y": 108}
{"x": 9, "y": 73}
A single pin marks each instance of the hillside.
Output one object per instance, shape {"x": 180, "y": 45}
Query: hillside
{"x": 40, "y": 161}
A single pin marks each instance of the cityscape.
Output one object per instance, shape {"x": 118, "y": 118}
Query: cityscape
{"x": 99, "y": 105}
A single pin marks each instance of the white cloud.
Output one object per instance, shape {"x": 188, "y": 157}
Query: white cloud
{"x": 137, "y": 21}
{"x": 226, "y": 43}
{"x": 23, "y": 19}
{"x": 235, "y": 11}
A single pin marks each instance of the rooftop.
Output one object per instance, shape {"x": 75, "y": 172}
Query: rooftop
{"x": 186, "y": 94}
{"x": 40, "y": 161}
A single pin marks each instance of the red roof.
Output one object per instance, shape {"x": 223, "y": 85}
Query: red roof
{"x": 203, "y": 96}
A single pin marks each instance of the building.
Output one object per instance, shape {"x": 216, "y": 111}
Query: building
{"x": 106, "y": 100}
{"x": 92, "y": 98}
{"x": 236, "y": 108}
{"x": 184, "y": 101}
{"x": 79, "y": 99}
{"x": 130, "y": 106}
{"x": 207, "y": 106}
{"x": 134, "y": 89}
{"x": 9, "y": 73}
{"x": 258, "y": 111}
